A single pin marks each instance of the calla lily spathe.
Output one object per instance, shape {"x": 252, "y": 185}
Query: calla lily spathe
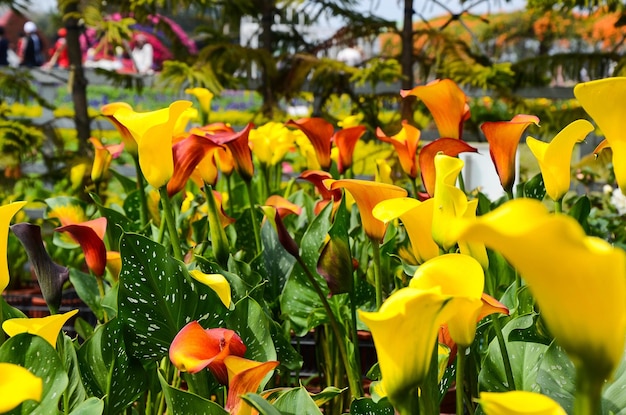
{"x": 103, "y": 155}
{"x": 447, "y": 104}
{"x": 518, "y": 403}
{"x": 406, "y": 143}
{"x": 462, "y": 278}
{"x": 18, "y": 384}
{"x": 46, "y": 327}
{"x": 6, "y": 215}
{"x": 578, "y": 281}
{"x": 503, "y": 138}
{"x": 345, "y": 141}
{"x": 367, "y": 195}
{"x": 271, "y": 142}
{"x": 204, "y": 97}
{"x": 604, "y": 101}
{"x": 448, "y": 146}
{"x": 216, "y": 282}
{"x": 187, "y": 154}
{"x": 239, "y": 149}
{"x": 319, "y": 132}
{"x": 555, "y": 157}
{"x": 153, "y": 131}
{"x": 244, "y": 376}
{"x": 417, "y": 218}
{"x": 90, "y": 236}
{"x": 128, "y": 140}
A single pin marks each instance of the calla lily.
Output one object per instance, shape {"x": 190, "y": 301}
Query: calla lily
{"x": 195, "y": 348}
{"x": 285, "y": 239}
{"x": 271, "y": 142}
{"x": 50, "y": 275}
{"x": 237, "y": 144}
{"x": 114, "y": 264}
{"x": 367, "y": 195}
{"x": 555, "y": 158}
{"x": 383, "y": 172}
{"x": 317, "y": 177}
{"x": 462, "y": 278}
{"x": 603, "y": 100}
{"x": 46, "y": 327}
{"x": 153, "y": 132}
{"x": 448, "y": 146}
{"x": 18, "y": 384}
{"x": 345, "y": 140}
{"x": 90, "y": 236}
{"x": 128, "y": 140}
{"x": 319, "y": 132}
{"x": 103, "y": 155}
{"x": 335, "y": 264}
{"x": 204, "y": 97}
{"x": 417, "y": 218}
{"x": 406, "y": 143}
{"x": 216, "y": 282}
{"x": 416, "y": 316}
{"x": 491, "y": 306}
{"x": 447, "y": 104}
{"x": 6, "y": 215}
{"x": 578, "y": 281}
{"x": 518, "y": 403}
{"x": 66, "y": 210}
{"x": 503, "y": 138}
{"x": 351, "y": 121}
{"x": 244, "y": 376}
{"x": 283, "y": 206}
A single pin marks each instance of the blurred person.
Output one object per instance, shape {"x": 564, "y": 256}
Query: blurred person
{"x": 4, "y": 48}
{"x": 142, "y": 54}
{"x": 59, "y": 57}
{"x": 31, "y": 47}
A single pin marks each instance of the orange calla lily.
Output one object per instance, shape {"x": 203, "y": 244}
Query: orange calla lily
{"x": 46, "y": 327}
{"x": 128, "y": 140}
{"x": 367, "y": 195}
{"x": 6, "y": 215}
{"x": 195, "y": 348}
{"x": 18, "y": 384}
{"x": 283, "y": 206}
{"x": 555, "y": 157}
{"x": 319, "y": 132}
{"x": 153, "y": 131}
{"x": 239, "y": 148}
{"x": 447, "y": 104}
{"x": 448, "y": 146}
{"x": 103, "y": 155}
{"x": 317, "y": 177}
{"x": 406, "y": 142}
{"x": 244, "y": 376}
{"x": 503, "y": 138}
{"x": 90, "y": 236}
{"x": 345, "y": 140}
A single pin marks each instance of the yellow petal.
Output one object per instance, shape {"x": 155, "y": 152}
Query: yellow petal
{"x": 46, "y": 327}
{"x": 6, "y": 215}
{"x": 450, "y": 201}
{"x": 17, "y": 385}
{"x": 518, "y": 403}
{"x": 216, "y": 282}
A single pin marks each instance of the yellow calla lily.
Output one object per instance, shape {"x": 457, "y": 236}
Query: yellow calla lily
{"x": 271, "y": 142}
{"x": 404, "y": 331}
{"x": 578, "y": 281}
{"x": 450, "y": 201}
{"x": 518, "y": 403}
{"x": 417, "y": 218}
{"x": 108, "y": 111}
{"x": 555, "y": 157}
{"x": 461, "y": 277}
{"x": 383, "y": 172}
{"x": 6, "y": 215}
{"x": 46, "y": 327}
{"x": 204, "y": 97}
{"x": 17, "y": 384}
{"x": 153, "y": 132}
{"x": 216, "y": 282}
{"x": 604, "y": 100}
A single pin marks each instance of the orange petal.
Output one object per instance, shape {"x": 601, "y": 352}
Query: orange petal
{"x": 87, "y": 235}
{"x": 448, "y": 146}
{"x": 406, "y": 143}
{"x": 346, "y": 140}
{"x": 188, "y": 153}
{"x": 319, "y": 131}
{"x": 244, "y": 376}
{"x": 237, "y": 144}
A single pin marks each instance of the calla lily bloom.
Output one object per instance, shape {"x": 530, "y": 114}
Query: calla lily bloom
{"x": 406, "y": 143}
{"x": 578, "y": 281}
{"x": 503, "y": 138}
{"x": 345, "y": 140}
{"x": 18, "y": 384}
{"x": 416, "y": 316}
{"x": 518, "y": 403}
{"x": 319, "y": 132}
{"x": 103, "y": 155}
{"x": 90, "y": 236}
{"x": 285, "y": 239}
{"x": 462, "y": 278}
{"x": 555, "y": 157}
{"x": 204, "y": 97}
{"x": 216, "y": 282}
{"x": 271, "y": 142}
{"x": 46, "y": 327}
{"x": 195, "y": 348}
{"x": 153, "y": 131}
{"x": 448, "y": 146}
{"x": 367, "y": 195}
{"x": 491, "y": 306}
{"x": 317, "y": 177}
{"x": 603, "y": 100}
{"x": 417, "y": 218}
{"x": 6, "y": 215}
{"x": 114, "y": 264}
{"x": 128, "y": 140}
{"x": 351, "y": 121}
{"x": 283, "y": 206}
{"x": 383, "y": 172}
{"x": 237, "y": 144}
{"x": 50, "y": 275}
{"x": 244, "y": 376}
{"x": 447, "y": 104}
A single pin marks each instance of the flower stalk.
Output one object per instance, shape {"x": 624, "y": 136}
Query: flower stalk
{"x": 170, "y": 223}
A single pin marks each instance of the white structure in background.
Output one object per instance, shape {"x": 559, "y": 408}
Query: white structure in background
{"x": 479, "y": 172}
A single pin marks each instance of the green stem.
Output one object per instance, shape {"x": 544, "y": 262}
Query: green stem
{"x": 510, "y": 194}
{"x": 558, "y": 206}
{"x": 355, "y": 334}
{"x": 414, "y": 185}
{"x": 141, "y": 187}
{"x": 354, "y": 379}
{"x": 377, "y": 274}
{"x": 504, "y": 352}
{"x": 588, "y": 397}
{"x": 460, "y": 374}
{"x": 102, "y": 293}
{"x": 410, "y": 404}
{"x": 230, "y": 197}
{"x": 2, "y": 336}
{"x": 255, "y": 226}
{"x": 171, "y": 223}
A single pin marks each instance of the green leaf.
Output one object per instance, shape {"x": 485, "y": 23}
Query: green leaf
{"x": 556, "y": 377}
{"x": 75, "y": 389}
{"x": 127, "y": 183}
{"x": 181, "y": 402}
{"x": 157, "y": 298}
{"x": 252, "y": 325}
{"x": 117, "y": 223}
{"x": 534, "y": 188}
{"x": 580, "y": 211}
{"x": 86, "y": 287}
{"x": 614, "y": 398}
{"x": 9, "y": 311}
{"x": 261, "y": 405}
{"x": 366, "y": 406}
{"x": 41, "y": 359}
{"x": 326, "y": 395}
{"x": 525, "y": 358}
{"x": 92, "y": 406}
{"x": 296, "y": 401}
{"x": 132, "y": 205}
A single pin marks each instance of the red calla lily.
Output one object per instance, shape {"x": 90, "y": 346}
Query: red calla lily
{"x": 345, "y": 140}
{"x": 90, "y": 236}
{"x": 188, "y": 153}
{"x": 320, "y": 132}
